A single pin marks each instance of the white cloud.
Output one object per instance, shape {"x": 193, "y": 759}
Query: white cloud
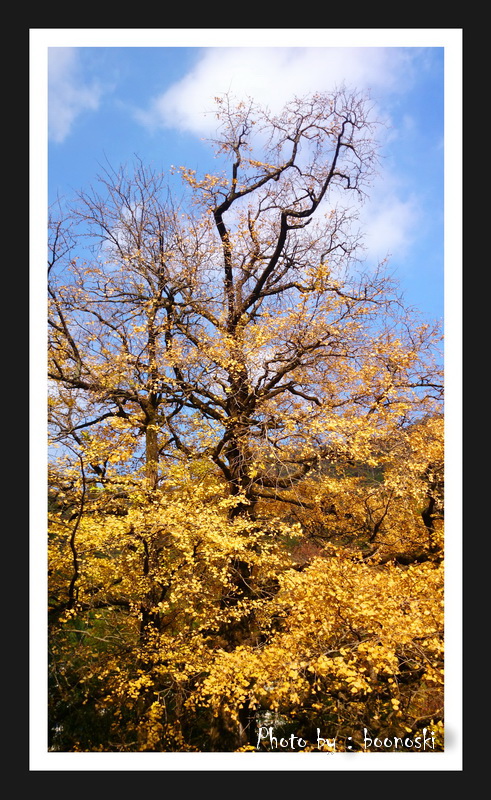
{"x": 69, "y": 96}
{"x": 390, "y": 224}
{"x": 271, "y": 76}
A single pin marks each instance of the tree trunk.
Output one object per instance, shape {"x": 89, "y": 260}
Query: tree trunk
{"x": 151, "y": 456}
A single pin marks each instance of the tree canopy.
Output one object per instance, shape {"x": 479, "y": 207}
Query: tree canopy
{"x": 246, "y": 489}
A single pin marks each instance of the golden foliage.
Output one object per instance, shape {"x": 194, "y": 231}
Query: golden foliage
{"x": 246, "y": 482}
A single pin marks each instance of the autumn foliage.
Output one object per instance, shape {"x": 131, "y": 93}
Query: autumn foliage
{"x": 246, "y": 482}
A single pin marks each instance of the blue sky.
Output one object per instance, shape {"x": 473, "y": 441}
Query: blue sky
{"x": 112, "y": 102}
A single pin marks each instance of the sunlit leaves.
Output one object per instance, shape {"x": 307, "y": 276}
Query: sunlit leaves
{"x": 246, "y": 481}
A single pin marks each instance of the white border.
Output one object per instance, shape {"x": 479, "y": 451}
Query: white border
{"x": 451, "y": 41}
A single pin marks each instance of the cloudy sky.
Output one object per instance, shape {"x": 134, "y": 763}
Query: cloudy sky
{"x": 116, "y": 94}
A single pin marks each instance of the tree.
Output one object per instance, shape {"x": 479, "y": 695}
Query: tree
{"x": 225, "y": 357}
